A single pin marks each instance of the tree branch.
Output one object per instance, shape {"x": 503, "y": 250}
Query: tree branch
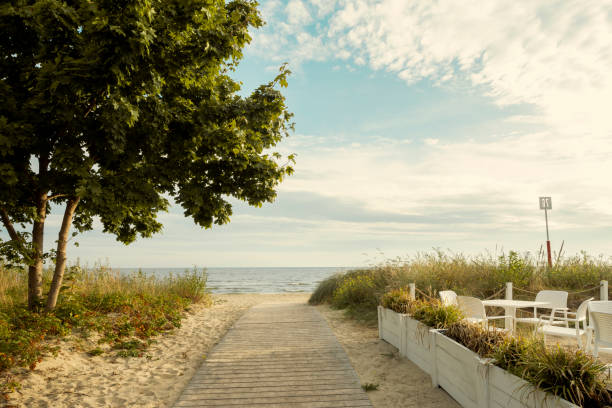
{"x": 9, "y": 225}
{"x": 57, "y": 196}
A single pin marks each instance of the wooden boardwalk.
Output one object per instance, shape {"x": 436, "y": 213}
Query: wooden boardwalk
{"x": 276, "y": 355}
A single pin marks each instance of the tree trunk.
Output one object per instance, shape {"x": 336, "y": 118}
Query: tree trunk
{"x": 36, "y": 267}
{"x": 6, "y": 220}
{"x": 60, "y": 262}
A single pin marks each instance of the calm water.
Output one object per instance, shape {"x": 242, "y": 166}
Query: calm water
{"x": 255, "y": 280}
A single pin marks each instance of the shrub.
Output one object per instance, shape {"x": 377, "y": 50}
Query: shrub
{"x": 325, "y": 289}
{"x": 123, "y": 308}
{"x": 356, "y": 290}
{"x": 191, "y": 285}
{"x": 570, "y": 374}
{"x": 509, "y": 353}
{"x": 397, "y": 300}
{"x": 434, "y": 314}
{"x": 480, "y": 276}
{"x": 480, "y": 340}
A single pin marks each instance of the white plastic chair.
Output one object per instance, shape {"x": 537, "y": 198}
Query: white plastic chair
{"x": 600, "y": 321}
{"x": 448, "y": 297}
{"x": 474, "y": 311}
{"x": 580, "y": 316}
{"x": 557, "y": 300}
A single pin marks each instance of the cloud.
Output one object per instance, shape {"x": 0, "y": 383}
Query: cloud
{"x": 554, "y": 55}
{"x": 297, "y": 14}
{"x": 494, "y": 184}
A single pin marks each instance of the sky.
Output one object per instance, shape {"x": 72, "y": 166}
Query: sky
{"x": 419, "y": 124}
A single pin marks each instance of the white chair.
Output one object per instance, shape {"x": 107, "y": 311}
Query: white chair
{"x": 448, "y": 297}
{"x": 600, "y": 322}
{"x": 579, "y": 317}
{"x": 474, "y": 311}
{"x": 557, "y": 303}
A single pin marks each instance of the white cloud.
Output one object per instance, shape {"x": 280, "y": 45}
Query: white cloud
{"x": 553, "y": 55}
{"x": 504, "y": 175}
{"x": 297, "y": 14}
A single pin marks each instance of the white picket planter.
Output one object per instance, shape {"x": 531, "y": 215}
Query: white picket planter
{"x": 390, "y": 327}
{"x": 460, "y": 371}
{"x": 416, "y": 343}
{"x": 472, "y": 381}
{"x": 508, "y": 390}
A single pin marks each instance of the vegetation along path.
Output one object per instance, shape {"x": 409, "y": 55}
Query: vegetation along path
{"x": 276, "y": 355}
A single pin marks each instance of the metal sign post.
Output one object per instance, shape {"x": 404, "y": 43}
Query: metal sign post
{"x": 546, "y": 204}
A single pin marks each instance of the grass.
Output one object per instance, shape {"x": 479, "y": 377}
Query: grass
{"x": 126, "y": 311}
{"x": 570, "y": 374}
{"x": 367, "y": 387}
{"x": 480, "y": 276}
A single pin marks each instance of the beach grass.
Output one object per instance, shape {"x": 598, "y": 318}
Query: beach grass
{"x": 125, "y": 311}
{"x": 481, "y": 276}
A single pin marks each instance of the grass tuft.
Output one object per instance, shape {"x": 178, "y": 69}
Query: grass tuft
{"x": 367, "y": 387}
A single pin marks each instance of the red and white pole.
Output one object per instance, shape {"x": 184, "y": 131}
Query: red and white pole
{"x": 547, "y": 239}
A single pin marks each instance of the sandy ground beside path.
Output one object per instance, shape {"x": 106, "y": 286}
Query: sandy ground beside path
{"x": 74, "y": 379}
{"x": 401, "y": 383}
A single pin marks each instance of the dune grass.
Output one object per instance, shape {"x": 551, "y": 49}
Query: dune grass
{"x": 480, "y": 276}
{"x": 126, "y": 311}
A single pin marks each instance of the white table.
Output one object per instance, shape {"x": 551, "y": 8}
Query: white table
{"x": 510, "y": 307}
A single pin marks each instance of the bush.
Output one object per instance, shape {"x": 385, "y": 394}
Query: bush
{"x": 572, "y": 375}
{"x": 127, "y": 310}
{"x": 397, "y": 300}
{"x": 325, "y": 289}
{"x": 480, "y": 340}
{"x": 479, "y": 276}
{"x": 356, "y": 290}
{"x": 434, "y": 314}
{"x": 22, "y": 335}
{"x": 191, "y": 285}
{"x": 569, "y": 374}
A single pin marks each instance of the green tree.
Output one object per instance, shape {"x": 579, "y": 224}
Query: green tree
{"x": 111, "y": 108}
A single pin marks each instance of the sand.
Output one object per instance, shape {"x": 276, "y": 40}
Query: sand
{"x": 401, "y": 383}
{"x": 75, "y": 379}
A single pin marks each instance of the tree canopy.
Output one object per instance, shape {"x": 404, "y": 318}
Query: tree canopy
{"x": 112, "y": 108}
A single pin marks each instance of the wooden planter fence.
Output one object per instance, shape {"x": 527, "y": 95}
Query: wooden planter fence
{"x": 472, "y": 381}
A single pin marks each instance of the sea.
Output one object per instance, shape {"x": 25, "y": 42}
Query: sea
{"x": 254, "y": 280}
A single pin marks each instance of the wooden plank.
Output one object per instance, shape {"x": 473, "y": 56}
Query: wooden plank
{"x": 276, "y": 355}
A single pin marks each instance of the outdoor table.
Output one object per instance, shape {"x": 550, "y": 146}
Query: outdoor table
{"x": 510, "y": 307}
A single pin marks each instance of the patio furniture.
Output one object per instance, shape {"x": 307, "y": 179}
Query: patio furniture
{"x": 448, "y": 297}
{"x": 510, "y": 307}
{"x": 557, "y": 303}
{"x": 474, "y": 311}
{"x": 600, "y": 322}
{"x": 580, "y": 316}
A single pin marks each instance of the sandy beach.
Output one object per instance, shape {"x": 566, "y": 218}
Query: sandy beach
{"x": 75, "y": 379}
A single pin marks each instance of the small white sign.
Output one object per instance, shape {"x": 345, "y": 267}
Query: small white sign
{"x": 545, "y": 203}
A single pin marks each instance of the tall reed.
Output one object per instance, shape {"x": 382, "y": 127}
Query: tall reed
{"x": 481, "y": 276}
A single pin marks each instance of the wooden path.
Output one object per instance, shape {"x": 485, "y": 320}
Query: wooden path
{"x": 276, "y": 355}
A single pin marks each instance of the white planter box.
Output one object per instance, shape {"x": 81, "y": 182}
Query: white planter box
{"x": 508, "y": 390}
{"x": 460, "y": 371}
{"x": 390, "y": 327}
{"x": 472, "y": 381}
{"x": 416, "y": 343}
